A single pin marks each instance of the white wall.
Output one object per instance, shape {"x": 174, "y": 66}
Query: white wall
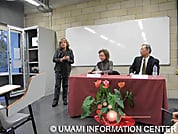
{"x": 97, "y": 12}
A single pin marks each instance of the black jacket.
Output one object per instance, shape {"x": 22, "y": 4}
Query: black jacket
{"x": 135, "y": 67}
{"x": 63, "y": 67}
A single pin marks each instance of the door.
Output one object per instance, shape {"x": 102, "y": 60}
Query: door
{"x": 16, "y": 58}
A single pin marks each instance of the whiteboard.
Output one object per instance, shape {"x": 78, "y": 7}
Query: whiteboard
{"x": 122, "y": 39}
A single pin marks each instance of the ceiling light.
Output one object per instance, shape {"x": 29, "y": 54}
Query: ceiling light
{"x": 103, "y": 37}
{"x": 90, "y": 30}
{"x": 33, "y": 2}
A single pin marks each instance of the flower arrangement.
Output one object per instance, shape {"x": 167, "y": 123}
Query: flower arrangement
{"x": 107, "y": 103}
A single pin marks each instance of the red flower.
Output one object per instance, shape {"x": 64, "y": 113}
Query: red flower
{"x": 99, "y": 106}
{"x": 97, "y": 111}
{"x": 97, "y": 83}
{"x": 121, "y": 84}
{"x": 105, "y": 84}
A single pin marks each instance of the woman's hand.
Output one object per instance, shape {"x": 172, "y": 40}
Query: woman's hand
{"x": 64, "y": 58}
{"x": 89, "y": 72}
{"x": 61, "y": 59}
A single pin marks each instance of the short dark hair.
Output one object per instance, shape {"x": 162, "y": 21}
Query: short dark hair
{"x": 148, "y": 47}
{"x": 106, "y": 53}
{"x": 64, "y": 39}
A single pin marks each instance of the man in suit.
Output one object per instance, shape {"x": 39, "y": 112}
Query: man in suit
{"x": 144, "y": 64}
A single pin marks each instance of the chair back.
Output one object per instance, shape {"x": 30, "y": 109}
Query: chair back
{"x": 34, "y": 91}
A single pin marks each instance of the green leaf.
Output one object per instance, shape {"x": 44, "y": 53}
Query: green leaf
{"x": 130, "y": 99}
{"x": 101, "y": 88}
{"x": 118, "y": 119}
{"x": 118, "y": 93}
{"x": 129, "y": 96}
{"x": 98, "y": 96}
{"x": 103, "y": 110}
{"x": 121, "y": 112}
{"x": 104, "y": 90}
{"x": 87, "y": 106}
{"x": 120, "y": 103}
{"x": 119, "y": 100}
{"x": 127, "y": 93}
{"x": 112, "y": 100}
{"x": 107, "y": 90}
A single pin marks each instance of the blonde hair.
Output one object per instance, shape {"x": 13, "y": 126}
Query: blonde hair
{"x": 64, "y": 39}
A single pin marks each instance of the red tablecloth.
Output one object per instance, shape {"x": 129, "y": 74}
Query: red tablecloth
{"x": 149, "y": 95}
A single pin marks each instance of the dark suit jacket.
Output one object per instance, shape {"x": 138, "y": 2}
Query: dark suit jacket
{"x": 135, "y": 67}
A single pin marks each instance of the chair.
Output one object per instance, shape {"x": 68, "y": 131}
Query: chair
{"x": 34, "y": 91}
{"x": 114, "y": 73}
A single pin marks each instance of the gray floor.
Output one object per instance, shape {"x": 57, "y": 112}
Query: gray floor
{"x": 46, "y": 116}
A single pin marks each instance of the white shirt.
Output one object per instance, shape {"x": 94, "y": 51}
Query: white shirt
{"x": 146, "y": 61}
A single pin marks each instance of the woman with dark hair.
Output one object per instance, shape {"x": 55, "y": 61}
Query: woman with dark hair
{"x": 63, "y": 58}
{"x": 105, "y": 65}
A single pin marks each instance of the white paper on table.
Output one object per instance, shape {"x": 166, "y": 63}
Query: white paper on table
{"x": 94, "y": 75}
{"x": 17, "y": 63}
{"x": 16, "y": 53}
{"x": 139, "y": 76}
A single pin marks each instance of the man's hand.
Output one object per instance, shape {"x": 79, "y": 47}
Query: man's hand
{"x": 174, "y": 116}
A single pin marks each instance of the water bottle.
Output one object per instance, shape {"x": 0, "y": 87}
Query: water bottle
{"x": 155, "y": 71}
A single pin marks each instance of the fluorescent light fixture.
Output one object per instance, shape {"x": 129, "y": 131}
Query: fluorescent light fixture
{"x": 103, "y": 37}
{"x": 112, "y": 41}
{"x": 118, "y": 44}
{"x": 90, "y": 30}
{"x": 144, "y": 36}
{"x": 140, "y": 24}
{"x": 33, "y": 2}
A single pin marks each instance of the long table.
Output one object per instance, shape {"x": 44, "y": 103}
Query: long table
{"x": 149, "y": 95}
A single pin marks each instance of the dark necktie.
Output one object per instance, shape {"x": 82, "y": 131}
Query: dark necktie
{"x": 144, "y": 67}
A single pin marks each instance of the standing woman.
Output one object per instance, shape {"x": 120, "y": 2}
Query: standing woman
{"x": 63, "y": 58}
